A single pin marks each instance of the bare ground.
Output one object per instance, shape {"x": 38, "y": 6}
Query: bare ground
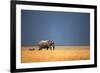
{"x": 61, "y": 53}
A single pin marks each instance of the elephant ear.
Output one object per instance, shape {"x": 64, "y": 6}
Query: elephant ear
{"x": 49, "y": 42}
{"x": 52, "y": 42}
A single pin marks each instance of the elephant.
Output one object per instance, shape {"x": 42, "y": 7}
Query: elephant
{"x": 46, "y": 44}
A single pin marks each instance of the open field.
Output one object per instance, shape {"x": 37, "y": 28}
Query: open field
{"x": 61, "y": 53}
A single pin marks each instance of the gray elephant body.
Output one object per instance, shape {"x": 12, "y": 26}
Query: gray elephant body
{"x": 46, "y": 44}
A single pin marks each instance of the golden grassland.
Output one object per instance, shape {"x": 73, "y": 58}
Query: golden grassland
{"x": 61, "y": 53}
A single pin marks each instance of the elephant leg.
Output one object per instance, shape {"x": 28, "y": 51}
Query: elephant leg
{"x": 47, "y": 48}
{"x": 53, "y": 48}
{"x": 40, "y": 48}
{"x": 50, "y": 48}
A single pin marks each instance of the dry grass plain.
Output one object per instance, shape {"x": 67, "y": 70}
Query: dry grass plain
{"x": 61, "y": 53}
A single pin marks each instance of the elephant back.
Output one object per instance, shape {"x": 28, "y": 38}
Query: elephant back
{"x": 43, "y": 43}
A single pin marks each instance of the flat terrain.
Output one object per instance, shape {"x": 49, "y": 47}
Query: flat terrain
{"x": 61, "y": 53}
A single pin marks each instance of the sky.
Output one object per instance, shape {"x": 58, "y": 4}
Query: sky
{"x": 65, "y": 28}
